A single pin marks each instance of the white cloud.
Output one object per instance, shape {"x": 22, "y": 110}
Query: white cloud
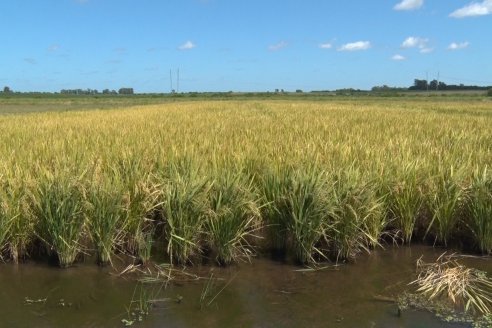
{"x": 398, "y": 57}
{"x": 325, "y": 45}
{"x": 53, "y": 48}
{"x": 415, "y": 42}
{"x": 277, "y": 46}
{"x": 426, "y": 50}
{"x": 355, "y": 46}
{"x": 458, "y": 46}
{"x": 188, "y": 45}
{"x": 474, "y": 9}
{"x": 409, "y": 5}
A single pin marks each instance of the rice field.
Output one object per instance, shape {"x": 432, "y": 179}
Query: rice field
{"x": 228, "y": 180}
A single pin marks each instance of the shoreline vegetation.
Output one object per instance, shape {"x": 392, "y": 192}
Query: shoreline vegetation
{"x": 225, "y": 180}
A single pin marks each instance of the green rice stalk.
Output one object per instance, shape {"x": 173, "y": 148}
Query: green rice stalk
{"x": 105, "y": 213}
{"x": 308, "y": 209}
{"x": 16, "y": 223}
{"x": 275, "y": 186}
{"x": 183, "y": 210}
{"x": 479, "y": 206}
{"x": 444, "y": 201}
{"x": 405, "y": 202}
{"x": 357, "y": 219}
{"x": 58, "y": 205}
{"x": 233, "y": 216}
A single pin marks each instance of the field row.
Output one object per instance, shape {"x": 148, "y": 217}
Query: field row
{"x": 226, "y": 180}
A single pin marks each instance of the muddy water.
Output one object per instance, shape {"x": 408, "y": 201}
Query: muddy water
{"x": 262, "y": 294}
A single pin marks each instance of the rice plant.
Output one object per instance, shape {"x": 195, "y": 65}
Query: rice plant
{"x": 16, "y": 224}
{"x": 105, "y": 213}
{"x": 406, "y": 148}
{"x": 357, "y": 218}
{"x": 5, "y": 218}
{"x": 479, "y": 203}
{"x": 58, "y": 205}
{"x": 140, "y": 196}
{"x": 406, "y": 201}
{"x": 309, "y": 208}
{"x": 232, "y": 218}
{"x": 275, "y": 186}
{"x": 444, "y": 201}
{"x": 183, "y": 209}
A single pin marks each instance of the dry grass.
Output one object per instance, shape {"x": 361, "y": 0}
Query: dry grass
{"x": 447, "y": 279}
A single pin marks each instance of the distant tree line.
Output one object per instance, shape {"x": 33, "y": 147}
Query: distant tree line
{"x": 122, "y": 91}
{"x": 424, "y": 85}
{"x": 437, "y": 85}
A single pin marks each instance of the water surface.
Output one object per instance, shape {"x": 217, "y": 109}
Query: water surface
{"x": 264, "y": 293}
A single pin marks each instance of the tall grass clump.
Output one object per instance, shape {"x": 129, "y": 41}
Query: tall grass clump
{"x": 183, "y": 209}
{"x": 58, "y": 205}
{"x": 140, "y": 196}
{"x": 358, "y": 217}
{"x": 276, "y": 214}
{"x": 309, "y": 207}
{"x": 444, "y": 199}
{"x": 479, "y": 208}
{"x": 233, "y": 217}
{"x": 6, "y": 217}
{"x": 139, "y": 202}
{"x": 405, "y": 200}
{"x": 105, "y": 218}
{"x": 16, "y": 224}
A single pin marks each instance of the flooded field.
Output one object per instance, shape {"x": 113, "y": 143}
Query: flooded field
{"x": 264, "y": 293}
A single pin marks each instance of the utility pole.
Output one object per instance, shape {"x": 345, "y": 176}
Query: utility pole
{"x": 177, "y": 88}
{"x": 171, "y": 79}
{"x": 437, "y": 85}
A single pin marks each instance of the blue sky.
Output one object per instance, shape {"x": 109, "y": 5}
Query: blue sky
{"x": 253, "y": 45}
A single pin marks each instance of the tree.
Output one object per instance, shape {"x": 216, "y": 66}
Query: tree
{"x": 6, "y": 90}
{"x": 419, "y": 85}
{"x": 126, "y": 91}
